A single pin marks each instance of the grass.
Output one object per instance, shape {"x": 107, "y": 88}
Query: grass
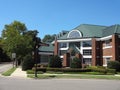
{"x": 75, "y": 76}
{"x": 9, "y": 72}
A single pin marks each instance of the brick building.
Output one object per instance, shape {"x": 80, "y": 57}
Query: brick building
{"x": 94, "y": 44}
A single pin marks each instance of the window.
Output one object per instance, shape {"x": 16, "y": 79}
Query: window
{"x": 87, "y": 52}
{"x": 62, "y": 52}
{"x": 87, "y": 44}
{"x": 74, "y": 44}
{"x": 74, "y": 34}
{"x": 63, "y": 45}
{"x": 107, "y": 43}
{"x": 107, "y": 60}
{"x": 44, "y": 59}
{"x": 87, "y": 61}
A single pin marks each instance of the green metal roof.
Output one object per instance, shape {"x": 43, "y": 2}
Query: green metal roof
{"x": 49, "y": 48}
{"x": 111, "y": 30}
{"x": 88, "y": 30}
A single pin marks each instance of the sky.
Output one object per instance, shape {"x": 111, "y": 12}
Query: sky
{"x": 53, "y": 16}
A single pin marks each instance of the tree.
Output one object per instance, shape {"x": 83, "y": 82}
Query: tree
{"x": 48, "y": 38}
{"x": 3, "y": 56}
{"x": 12, "y": 36}
{"x": 16, "y": 38}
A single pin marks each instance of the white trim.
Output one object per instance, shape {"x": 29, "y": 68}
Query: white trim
{"x": 104, "y": 38}
{"x": 61, "y": 56}
{"x": 107, "y": 47}
{"x": 76, "y": 31}
{"x": 87, "y": 56}
{"x": 105, "y": 65}
{"x": 45, "y": 53}
{"x": 63, "y": 48}
{"x": 86, "y": 48}
{"x": 107, "y": 56}
{"x": 74, "y": 40}
{"x": 105, "y": 61}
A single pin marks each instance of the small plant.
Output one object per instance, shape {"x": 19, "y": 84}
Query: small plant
{"x": 28, "y": 63}
{"x": 76, "y": 63}
{"x": 55, "y": 62}
{"x": 114, "y": 65}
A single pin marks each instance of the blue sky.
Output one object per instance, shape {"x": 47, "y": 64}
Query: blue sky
{"x": 53, "y": 16}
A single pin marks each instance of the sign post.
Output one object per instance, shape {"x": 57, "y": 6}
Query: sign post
{"x": 14, "y": 59}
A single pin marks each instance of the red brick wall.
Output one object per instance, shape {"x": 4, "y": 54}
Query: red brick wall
{"x": 107, "y": 52}
{"x": 97, "y": 52}
{"x": 114, "y": 51}
{"x": 93, "y": 52}
{"x": 56, "y": 48}
{"x": 115, "y": 45}
{"x": 66, "y": 60}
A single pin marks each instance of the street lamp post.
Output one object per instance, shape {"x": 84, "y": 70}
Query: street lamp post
{"x": 38, "y": 43}
{"x": 36, "y": 57}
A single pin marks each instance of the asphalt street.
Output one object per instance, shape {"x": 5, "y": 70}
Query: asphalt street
{"x": 15, "y": 83}
{"x": 8, "y": 83}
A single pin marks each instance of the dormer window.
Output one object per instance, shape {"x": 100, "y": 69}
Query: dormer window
{"x": 74, "y": 34}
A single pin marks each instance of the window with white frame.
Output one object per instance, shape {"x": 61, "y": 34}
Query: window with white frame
{"x": 107, "y": 43}
{"x": 74, "y": 34}
{"x": 87, "y": 52}
{"x": 107, "y": 59}
{"x": 63, "y": 45}
{"x": 87, "y": 43}
{"x": 87, "y": 61}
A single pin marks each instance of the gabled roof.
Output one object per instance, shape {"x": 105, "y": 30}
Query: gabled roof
{"x": 88, "y": 30}
{"x": 111, "y": 30}
{"x": 49, "y": 48}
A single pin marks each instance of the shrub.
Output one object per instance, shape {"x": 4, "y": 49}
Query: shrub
{"x": 76, "y": 63}
{"x": 111, "y": 71}
{"x": 33, "y": 72}
{"x": 55, "y": 62}
{"x": 104, "y": 71}
{"x": 39, "y": 69}
{"x": 114, "y": 65}
{"x": 75, "y": 70}
{"x": 27, "y": 63}
{"x": 30, "y": 72}
{"x": 68, "y": 70}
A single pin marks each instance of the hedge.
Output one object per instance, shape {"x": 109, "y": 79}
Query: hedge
{"x": 104, "y": 71}
{"x": 39, "y": 69}
{"x": 62, "y": 69}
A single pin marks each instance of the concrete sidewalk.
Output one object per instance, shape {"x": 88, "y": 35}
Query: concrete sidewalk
{"x": 19, "y": 73}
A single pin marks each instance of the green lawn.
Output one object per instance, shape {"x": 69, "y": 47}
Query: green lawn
{"x": 9, "y": 72}
{"x": 75, "y": 76}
